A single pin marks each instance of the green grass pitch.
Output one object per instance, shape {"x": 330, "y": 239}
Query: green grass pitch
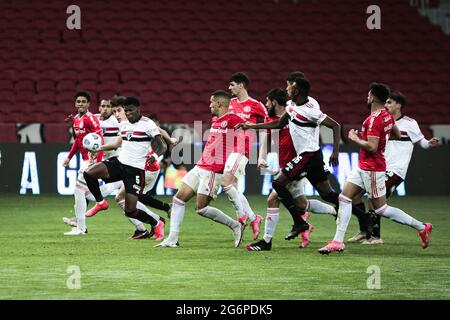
{"x": 35, "y": 257}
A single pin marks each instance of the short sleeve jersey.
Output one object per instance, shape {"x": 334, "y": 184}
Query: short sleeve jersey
{"x": 251, "y": 111}
{"x": 304, "y": 125}
{"x": 136, "y": 139}
{"x": 221, "y": 142}
{"x": 110, "y": 129}
{"x": 378, "y": 124}
{"x": 399, "y": 151}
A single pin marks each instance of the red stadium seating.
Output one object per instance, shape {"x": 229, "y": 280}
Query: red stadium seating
{"x": 173, "y": 55}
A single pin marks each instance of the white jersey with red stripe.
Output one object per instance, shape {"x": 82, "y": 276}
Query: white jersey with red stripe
{"x": 110, "y": 129}
{"x": 136, "y": 139}
{"x": 304, "y": 125}
{"x": 399, "y": 151}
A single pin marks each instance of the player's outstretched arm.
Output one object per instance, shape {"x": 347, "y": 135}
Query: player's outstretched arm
{"x": 72, "y": 152}
{"x": 432, "y": 143}
{"x": 336, "y": 127}
{"x": 276, "y": 124}
{"x": 113, "y": 145}
{"x": 158, "y": 145}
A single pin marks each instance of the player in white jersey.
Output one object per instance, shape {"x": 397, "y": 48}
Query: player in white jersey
{"x": 398, "y": 155}
{"x": 304, "y": 122}
{"x": 137, "y": 135}
{"x": 109, "y": 126}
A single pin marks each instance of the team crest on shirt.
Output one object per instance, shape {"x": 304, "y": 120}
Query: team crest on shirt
{"x": 224, "y": 124}
{"x": 129, "y": 134}
{"x": 247, "y": 109}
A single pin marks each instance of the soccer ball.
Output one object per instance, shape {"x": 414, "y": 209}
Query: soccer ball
{"x": 92, "y": 142}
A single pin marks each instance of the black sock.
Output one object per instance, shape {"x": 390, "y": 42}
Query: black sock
{"x": 376, "y": 224}
{"x": 150, "y": 201}
{"x": 364, "y": 219}
{"x": 142, "y": 217}
{"x": 332, "y": 197}
{"x": 93, "y": 186}
{"x": 287, "y": 200}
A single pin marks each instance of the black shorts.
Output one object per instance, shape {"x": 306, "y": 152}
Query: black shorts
{"x": 392, "y": 182}
{"x": 309, "y": 165}
{"x": 133, "y": 178}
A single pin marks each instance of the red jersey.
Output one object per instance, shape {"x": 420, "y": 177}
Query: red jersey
{"x": 152, "y": 166}
{"x": 286, "y": 150}
{"x": 252, "y": 111}
{"x": 378, "y": 124}
{"x": 221, "y": 142}
{"x": 83, "y": 125}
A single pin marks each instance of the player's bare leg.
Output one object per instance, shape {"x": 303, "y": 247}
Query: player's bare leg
{"x": 91, "y": 175}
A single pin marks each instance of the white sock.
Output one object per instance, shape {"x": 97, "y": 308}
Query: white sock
{"x": 138, "y": 224}
{"x": 217, "y": 216}
{"x": 344, "y": 215}
{"x": 397, "y": 215}
{"x": 233, "y": 196}
{"x": 319, "y": 207}
{"x": 80, "y": 207}
{"x": 273, "y": 215}
{"x": 247, "y": 209}
{"x": 142, "y": 207}
{"x": 176, "y": 218}
{"x": 108, "y": 188}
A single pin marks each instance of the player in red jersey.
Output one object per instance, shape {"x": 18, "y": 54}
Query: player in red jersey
{"x": 83, "y": 123}
{"x": 276, "y": 107}
{"x": 251, "y": 111}
{"x": 370, "y": 175}
{"x": 205, "y": 178}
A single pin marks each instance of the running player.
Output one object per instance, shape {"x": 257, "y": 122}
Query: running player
{"x": 137, "y": 134}
{"x": 276, "y": 107}
{"x": 398, "y": 155}
{"x": 370, "y": 175}
{"x": 304, "y": 125}
{"x": 83, "y": 123}
{"x": 251, "y": 111}
{"x": 205, "y": 178}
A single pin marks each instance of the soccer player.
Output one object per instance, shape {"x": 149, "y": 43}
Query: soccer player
{"x": 110, "y": 126}
{"x": 137, "y": 134}
{"x": 276, "y": 107}
{"x": 370, "y": 175}
{"x": 251, "y": 111}
{"x": 110, "y": 129}
{"x": 205, "y": 178}
{"x": 398, "y": 155}
{"x": 83, "y": 123}
{"x": 304, "y": 121}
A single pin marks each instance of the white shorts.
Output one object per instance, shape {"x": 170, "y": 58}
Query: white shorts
{"x": 236, "y": 164}
{"x": 150, "y": 180}
{"x": 203, "y": 181}
{"x": 83, "y": 166}
{"x": 297, "y": 188}
{"x": 373, "y": 182}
